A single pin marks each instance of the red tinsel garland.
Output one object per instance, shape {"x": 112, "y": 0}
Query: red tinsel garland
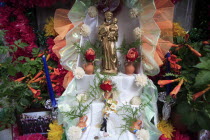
{"x": 17, "y": 27}
{"x": 33, "y": 3}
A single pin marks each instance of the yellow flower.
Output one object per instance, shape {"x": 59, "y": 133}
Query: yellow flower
{"x": 49, "y": 27}
{"x": 55, "y": 132}
{"x": 166, "y": 128}
{"x": 178, "y": 30}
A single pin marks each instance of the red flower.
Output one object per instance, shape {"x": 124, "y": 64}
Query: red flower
{"x": 106, "y": 86}
{"x": 90, "y": 55}
{"x": 132, "y": 55}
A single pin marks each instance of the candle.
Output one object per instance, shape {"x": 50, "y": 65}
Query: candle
{"x": 168, "y": 70}
{"x": 49, "y": 84}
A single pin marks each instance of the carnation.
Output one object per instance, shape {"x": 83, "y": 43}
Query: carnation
{"x": 85, "y": 30}
{"x": 143, "y": 134}
{"x": 74, "y": 133}
{"x": 79, "y": 73}
{"x": 106, "y": 87}
{"x": 136, "y": 100}
{"x": 64, "y": 107}
{"x": 137, "y": 32}
{"x": 141, "y": 80}
{"x": 92, "y": 11}
{"x": 134, "y": 13}
{"x": 81, "y": 97}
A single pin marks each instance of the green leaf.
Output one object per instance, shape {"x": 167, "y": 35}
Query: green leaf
{"x": 203, "y": 78}
{"x": 204, "y": 64}
{"x": 11, "y": 71}
{"x": 24, "y": 102}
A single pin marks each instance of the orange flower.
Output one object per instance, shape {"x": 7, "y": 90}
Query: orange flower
{"x": 173, "y": 59}
{"x": 165, "y": 82}
{"x": 20, "y": 79}
{"x": 196, "y": 95}
{"x": 194, "y": 51}
{"x": 37, "y": 75}
{"x": 176, "y": 89}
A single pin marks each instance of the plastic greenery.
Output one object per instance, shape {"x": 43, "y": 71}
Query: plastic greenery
{"x": 126, "y": 46}
{"x": 77, "y": 111}
{"x": 95, "y": 46}
{"x": 129, "y": 116}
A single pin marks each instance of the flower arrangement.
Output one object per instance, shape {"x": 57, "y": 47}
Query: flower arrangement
{"x": 130, "y": 51}
{"x": 192, "y": 75}
{"x": 131, "y": 117}
{"x": 90, "y": 55}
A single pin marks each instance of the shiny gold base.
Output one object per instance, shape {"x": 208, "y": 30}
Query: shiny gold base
{"x": 109, "y": 72}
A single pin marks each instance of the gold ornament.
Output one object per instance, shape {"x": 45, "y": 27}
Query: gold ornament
{"x": 108, "y": 35}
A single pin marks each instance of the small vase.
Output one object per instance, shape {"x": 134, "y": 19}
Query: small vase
{"x": 82, "y": 123}
{"x": 129, "y": 68}
{"x": 136, "y": 126}
{"x": 88, "y": 68}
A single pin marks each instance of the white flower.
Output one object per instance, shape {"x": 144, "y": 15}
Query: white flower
{"x": 136, "y": 100}
{"x": 92, "y": 11}
{"x": 141, "y": 80}
{"x": 81, "y": 97}
{"x": 85, "y": 30}
{"x": 137, "y": 32}
{"x": 74, "y": 133}
{"x": 79, "y": 73}
{"x": 143, "y": 134}
{"x": 64, "y": 107}
{"x": 113, "y": 106}
{"x": 109, "y": 101}
{"x": 134, "y": 13}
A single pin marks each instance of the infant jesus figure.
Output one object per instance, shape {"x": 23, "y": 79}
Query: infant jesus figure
{"x": 113, "y": 34}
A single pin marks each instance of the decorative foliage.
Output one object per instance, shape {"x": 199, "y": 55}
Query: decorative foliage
{"x": 55, "y": 132}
